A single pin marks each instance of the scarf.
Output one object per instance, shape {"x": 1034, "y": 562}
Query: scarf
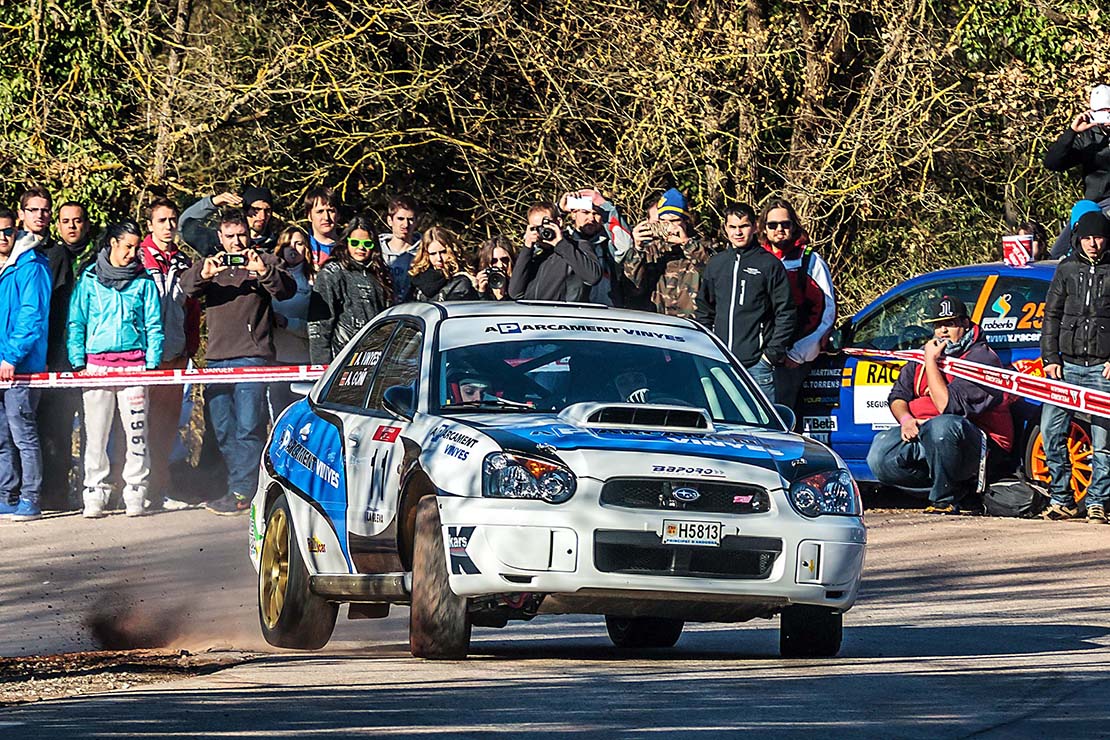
{"x": 955, "y": 349}
{"x": 111, "y": 276}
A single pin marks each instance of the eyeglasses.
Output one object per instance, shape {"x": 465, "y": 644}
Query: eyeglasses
{"x": 44, "y": 211}
{"x": 360, "y": 243}
{"x": 500, "y": 260}
{"x": 776, "y": 225}
{"x": 8, "y": 231}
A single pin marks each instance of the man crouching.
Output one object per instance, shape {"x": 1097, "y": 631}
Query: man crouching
{"x": 946, "y": 425}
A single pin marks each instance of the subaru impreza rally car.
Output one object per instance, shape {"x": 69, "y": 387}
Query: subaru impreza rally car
{"x": 486, "y": 462}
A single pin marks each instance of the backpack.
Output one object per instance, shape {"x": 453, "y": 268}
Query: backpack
{"x": 1014, "y": 498}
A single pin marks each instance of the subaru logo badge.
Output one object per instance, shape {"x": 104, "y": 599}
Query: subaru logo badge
{"x": 687, "y": 495}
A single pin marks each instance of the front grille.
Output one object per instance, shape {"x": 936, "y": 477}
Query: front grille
{"x": 642, "y": 553}
{"x": 658, "y": 494}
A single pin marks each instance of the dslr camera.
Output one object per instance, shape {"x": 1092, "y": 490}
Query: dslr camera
{"x": 496, "y": 278}
{"x": 545, "y": 232}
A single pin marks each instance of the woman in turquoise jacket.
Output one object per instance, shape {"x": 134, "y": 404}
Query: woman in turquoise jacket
{"x": 115, "y": 328}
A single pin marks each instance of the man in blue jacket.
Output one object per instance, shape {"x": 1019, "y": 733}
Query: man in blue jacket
{"x": 25, "y": 286}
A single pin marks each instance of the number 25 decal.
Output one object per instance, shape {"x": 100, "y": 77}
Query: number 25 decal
{"x": 1032, "y": 316}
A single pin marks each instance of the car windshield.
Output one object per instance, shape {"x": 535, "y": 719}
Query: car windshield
{"x": 519, "y": 374}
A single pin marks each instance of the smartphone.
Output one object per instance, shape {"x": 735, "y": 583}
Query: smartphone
{"x": 227, "y": 259}
{"x": 1101, "y": 117}
{"x": 579, "y": 203}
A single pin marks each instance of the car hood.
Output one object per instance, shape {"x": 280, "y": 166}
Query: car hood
{"x": 792, "y": 456}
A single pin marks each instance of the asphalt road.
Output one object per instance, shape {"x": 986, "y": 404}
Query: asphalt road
{"x": 967, "y": 627}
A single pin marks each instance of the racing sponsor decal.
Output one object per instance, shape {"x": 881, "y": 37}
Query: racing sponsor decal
{"x": 518, "y": 328}
{"x": 315, "y": 545}
{"x": 1001, "y": 321}
{"x": 306, "y": 458}
{"x": 458, "y": 539}
{"x": 872, "y": 383}
{"x": 387, "y": 434}
{"x": 682, "y": 470}
{"x": 454, "y": 451}
{"x": 306, "y": 452}
{"x": 818, "y": 424}
{"x": 444, "y": 431}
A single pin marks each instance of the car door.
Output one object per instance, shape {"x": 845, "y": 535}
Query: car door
{"x": 374, "y": 452}
{"x": 844, "y": 397}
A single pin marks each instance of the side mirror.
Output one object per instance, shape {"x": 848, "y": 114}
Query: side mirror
{"x": 787, "y": 414}
{"x": 840, "y": 337}
{"x": 301, "y": 388}
{"x": 400, "y": 400}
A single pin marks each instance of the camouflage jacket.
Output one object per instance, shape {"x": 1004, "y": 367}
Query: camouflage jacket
{"x": 666, "y": 283}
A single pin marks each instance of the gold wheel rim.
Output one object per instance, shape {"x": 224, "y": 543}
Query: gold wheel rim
{"x": 274, "y": 571}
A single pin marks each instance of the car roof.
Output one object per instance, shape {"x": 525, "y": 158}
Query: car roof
{"x": 535, "y": 310}
{"x": 1040, "y": 270}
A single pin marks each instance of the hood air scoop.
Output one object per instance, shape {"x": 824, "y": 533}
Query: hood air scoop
{"x": 638, "y": 416}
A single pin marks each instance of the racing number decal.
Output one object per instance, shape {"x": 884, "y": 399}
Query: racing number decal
{"x": 1032, "y": 316}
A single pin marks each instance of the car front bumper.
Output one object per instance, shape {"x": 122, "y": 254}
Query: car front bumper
{"x": 583, "y": 548}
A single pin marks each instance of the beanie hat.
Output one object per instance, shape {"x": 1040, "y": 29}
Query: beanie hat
{"x": 252, "y": 193}
{"x": 674, "y": 202}
{"x": 1100, "y": 97}
{"x": 1091, "y": 224}
{"x": 1080, "y": 208}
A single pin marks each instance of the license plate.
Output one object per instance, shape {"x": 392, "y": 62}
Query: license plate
{"x": 682, "y": 532}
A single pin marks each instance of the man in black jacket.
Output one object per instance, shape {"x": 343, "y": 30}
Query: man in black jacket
{"x": 1075, "y": 346}
{"x": 258, "y": 208}
{"x": 749, "y": 284}
{"x": 554, "y": 269}
{"x": 238, "y": 286}
{"x": 1086, "y": 145}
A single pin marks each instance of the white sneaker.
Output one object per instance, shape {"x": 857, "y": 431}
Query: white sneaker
{"x": 94, "y": 504}
{"x": 133, "y": 499}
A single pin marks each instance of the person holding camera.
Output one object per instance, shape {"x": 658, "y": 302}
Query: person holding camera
{"x": 495, "y": 266}
{"x": 238, "y": 286}
{"x": 668, "y": 258}
{"x": 350, "y": 290}
{"x": 1085, "y": 144}
{"x": 598, "y": 224}
{"x": 115, "y": 328}
{"x": 552, "y": 267}
{"x": 437, "y": 272}
{"x": 258, "y": 208}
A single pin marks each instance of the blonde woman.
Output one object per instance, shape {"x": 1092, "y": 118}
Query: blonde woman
{"x": 438, "y": 271}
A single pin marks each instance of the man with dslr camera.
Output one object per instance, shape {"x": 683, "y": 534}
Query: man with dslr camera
{"x": 238, "y": 285}
{"x": 551, "y": 267}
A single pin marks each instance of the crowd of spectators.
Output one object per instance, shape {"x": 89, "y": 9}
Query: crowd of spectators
{"x": 273, "y": 292}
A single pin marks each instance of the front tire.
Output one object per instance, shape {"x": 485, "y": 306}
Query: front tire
{"x": 643, "y": 632}
{"x": 439, "y": 625}
{"x": 807, "y": 631}
{"x": 291, "y": 616}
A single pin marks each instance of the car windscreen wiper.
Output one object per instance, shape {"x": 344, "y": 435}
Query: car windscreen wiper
{"x": 494, "y": 402}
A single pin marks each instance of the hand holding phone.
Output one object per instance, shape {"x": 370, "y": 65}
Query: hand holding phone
{"x": 233, "y": 259}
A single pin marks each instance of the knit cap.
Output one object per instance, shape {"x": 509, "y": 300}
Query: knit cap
{"x": 674, "y": 202}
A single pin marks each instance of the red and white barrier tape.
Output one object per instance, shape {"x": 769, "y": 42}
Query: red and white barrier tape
{"x": 1037, "y": 388}
{"x": 253, "y": 374}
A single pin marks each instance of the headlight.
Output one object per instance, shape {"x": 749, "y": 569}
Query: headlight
{"x": 506, "y": 475}
{"x": 830, "y": 492}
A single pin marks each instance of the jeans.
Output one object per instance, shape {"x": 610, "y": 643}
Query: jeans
{"x": 20, "y": 451}
{"x": 56, "y": 410}
{"x": 763, "y": 373}
{"x": 239, "y": 414}
{"x": 947, "y": 457}
{"x": 1055, "y": 423}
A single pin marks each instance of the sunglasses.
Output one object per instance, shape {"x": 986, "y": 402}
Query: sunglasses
{"x": 500, "y": 260}
{"x": 8, "y": 231}
{"x": 784, "y": 225}
{"x": 360, "y": 243}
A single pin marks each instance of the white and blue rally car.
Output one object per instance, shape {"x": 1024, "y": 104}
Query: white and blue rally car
{"x": 482, "y": 462}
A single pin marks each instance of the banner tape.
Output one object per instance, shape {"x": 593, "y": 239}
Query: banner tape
{"x": 1037, "y": 388}
{"x": 260, "y": 374}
